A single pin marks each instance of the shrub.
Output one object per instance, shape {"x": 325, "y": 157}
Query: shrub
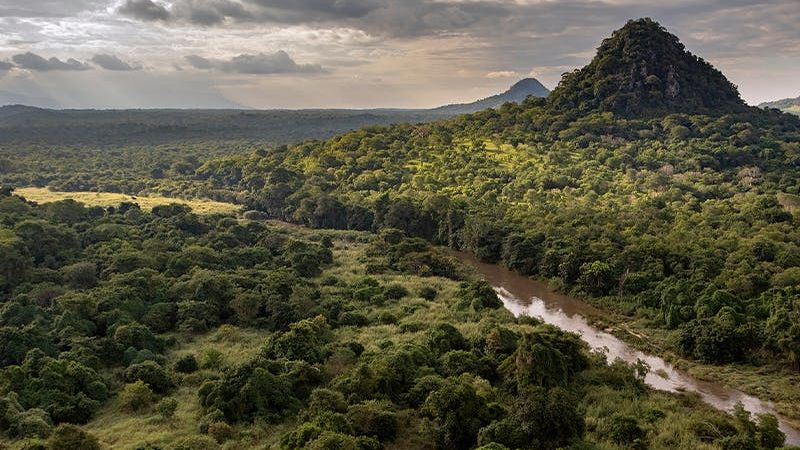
{"x": 624, "y": 429}
{"x": 395, "y": 291}
{"x": 151, "y": 373}
{"x": 428, "y": 293}
{"x": 186, "y": 364}
{"x": 212, "y": 359}
{"x": 71, "y": 437}
{"x": 373, "y": 418}
{"x": 220, "y": 431}
{"x": 166, "y": 408}
{"x": 136, "y": 396}
{"x": 34, "y": 423}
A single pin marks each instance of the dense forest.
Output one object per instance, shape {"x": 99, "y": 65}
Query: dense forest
{"x": 642, "y": 184}
{"x": 125, "y": 320}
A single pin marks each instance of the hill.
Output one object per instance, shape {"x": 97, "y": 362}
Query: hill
{"x": 21, "y": 124}
{"x": 790, "y": 105}
{"x": 643, "y": 70}
{"x": 516, "y": 94}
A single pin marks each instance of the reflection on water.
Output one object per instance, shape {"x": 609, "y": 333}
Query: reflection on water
{"x": 523, "y": 296}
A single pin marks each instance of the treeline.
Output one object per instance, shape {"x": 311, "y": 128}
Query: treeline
{"x": 682, "y": 219}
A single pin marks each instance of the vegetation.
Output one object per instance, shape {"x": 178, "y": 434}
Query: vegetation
{"x": 653, "y": 192}
{"x": 299, "y": 346}
{"x": 684, "y": 220}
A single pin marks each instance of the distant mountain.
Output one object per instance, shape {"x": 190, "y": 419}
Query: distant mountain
{"x": 516, "y": 94}
{"x": 20, "y": 123}
{"x": 790, "y": 105}
{"x": 643, "y": 70}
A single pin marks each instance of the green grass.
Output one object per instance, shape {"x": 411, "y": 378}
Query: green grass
{"x": 106, "y": 199}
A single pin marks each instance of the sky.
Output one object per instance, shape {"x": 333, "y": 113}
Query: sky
{"x": 357, "y": 53}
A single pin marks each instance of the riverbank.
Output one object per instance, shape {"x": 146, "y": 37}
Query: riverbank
{"x": 629, "y": 339}
{"x": 770, "y": 382}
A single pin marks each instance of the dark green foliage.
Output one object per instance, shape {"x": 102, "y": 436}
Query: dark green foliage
{"x": 538, "y": 418}
{"x": 458, "y": 413}
{"x": 152, "y": 374}
{"x": 251, "y": 391}
{"x": 643, "y": 69}
{"x": 547, "y": 357}
{"x": 306, "y": 340}
{"x": 375, "y": 419}
{"x": 70, "y": 437}
{"x": 443, "y": 337}
{"x": 626, "y": 430}
{"x": 186, "y": 364}
{"x": 478, "y": 295}
{"x": 67, "y": 390}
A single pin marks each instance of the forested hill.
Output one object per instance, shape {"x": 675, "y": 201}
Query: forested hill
{"x": 631, "y": 196}
{"x": 642, "y": 69}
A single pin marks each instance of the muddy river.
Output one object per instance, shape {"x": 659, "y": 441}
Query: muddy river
{"x": 524, "y": 296}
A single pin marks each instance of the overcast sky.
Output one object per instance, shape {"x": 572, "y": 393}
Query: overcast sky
{"x": 357, "y": 53}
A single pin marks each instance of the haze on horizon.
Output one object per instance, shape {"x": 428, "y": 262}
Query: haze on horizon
{"x": 357, "y": 53}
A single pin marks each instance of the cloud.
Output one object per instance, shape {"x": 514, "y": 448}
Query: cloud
{"x": 111, "y": 62}
{"x": 405, "y": 18}
{"x": 5, "y": 66}
{"x": 502, "y": 74}
{"x": 145, "y": 10}
{"x": 47, "y": 8}
{"x": 32, "y": 61}
{"x": 261, "y": 64}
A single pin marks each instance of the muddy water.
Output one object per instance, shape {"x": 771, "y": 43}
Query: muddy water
{"x": 523, "y": 296}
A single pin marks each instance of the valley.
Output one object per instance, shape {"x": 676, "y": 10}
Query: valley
{"x": 177, "y": 280}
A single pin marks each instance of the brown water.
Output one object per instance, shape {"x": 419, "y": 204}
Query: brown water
{"x": 524, "y": 296}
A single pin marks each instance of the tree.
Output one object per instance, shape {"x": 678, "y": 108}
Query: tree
{"x": 458, "y": 413}
{"x": 70, "y": 437}
{"x": 136, "y": 396}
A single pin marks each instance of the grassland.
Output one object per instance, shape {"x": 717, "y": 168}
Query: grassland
{"x": 106, "y": 199}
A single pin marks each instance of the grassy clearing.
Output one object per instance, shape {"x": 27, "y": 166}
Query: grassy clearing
{"x": 106, "y": 199}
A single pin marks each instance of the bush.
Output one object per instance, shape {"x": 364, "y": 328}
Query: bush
{"x": 220, "y": 431}
{"x": 166, "y": 408}
{"x": 186, "y": 364}
{"x": 212, "y": 359}
{"x": 428, "y": 293}
{"x": 625, "y": 430}
{"x": 136, "y": 396}
{"x": 395, "y": 291}
{"x": 71, "y": 437}
{"x": 373, "y": 418}
{"x": 151, "y": 373}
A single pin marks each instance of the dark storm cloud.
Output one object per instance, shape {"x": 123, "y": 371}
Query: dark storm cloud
{"x": 261, "y": 64}
{"x": 144, "y": 10}
{"x": 32, "y": 61}
{"x": 379, "y": 17}
{"x": 111, "y": 62}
